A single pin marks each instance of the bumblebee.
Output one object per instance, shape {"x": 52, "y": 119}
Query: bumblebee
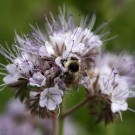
{"x": 71, "y": 76}
{"x": 71, "y": 65}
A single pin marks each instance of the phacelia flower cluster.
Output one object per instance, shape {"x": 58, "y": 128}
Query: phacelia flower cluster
{"x": 44, "y": 66}
{"x": 110, "y": 83}
{"x": 17, "y": 120}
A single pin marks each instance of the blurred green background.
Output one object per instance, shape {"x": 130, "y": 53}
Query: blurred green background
{"x": 16, "y": 15}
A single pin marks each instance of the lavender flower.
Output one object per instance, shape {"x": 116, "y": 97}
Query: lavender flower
{"x": 9, "y": 127}
{"x": 112, "y": 81}
{"x": 37, "y": 80}
{"x": 43, "y": 66}
{"x": 16, "y": 120}
{"x": 50, "y": 98}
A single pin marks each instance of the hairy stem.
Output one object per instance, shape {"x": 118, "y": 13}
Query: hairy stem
{"x": 54, "y": 122}
{"x": 61, "y": 125}
{"x": 77, "y": 106}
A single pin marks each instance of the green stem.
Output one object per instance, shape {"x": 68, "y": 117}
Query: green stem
{"x": 61, "y": 125}
{"x": 72, "y": 109}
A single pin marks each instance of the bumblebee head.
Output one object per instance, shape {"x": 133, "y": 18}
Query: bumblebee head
{"x": 71, "y": 64}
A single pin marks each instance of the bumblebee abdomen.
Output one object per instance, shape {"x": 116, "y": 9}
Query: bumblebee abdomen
{"x": 71, "y": 64}
{"x": 73, "y": 67}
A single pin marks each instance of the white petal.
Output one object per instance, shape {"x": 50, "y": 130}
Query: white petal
{"x": 25, "y": 55}
{"x": 115, "y": 107}
{"x": 57, "y": 99}
{"x": 55, "y": 91}
{"x": 11, "y": 68}
{"x": 124, "y": 106}
{"x": 43, "y": 102}
{"x": 43, "y": 51}
{"x": 37, "y": 80}
{"x": 57, "y": 40}
{"x": 58, "y": 61}
{"x": 18, "y": 60}
{"x": 51, "y": 105}
{"x": 9, "y": 79}
{"x": 43, "y": 82}
{"x": 19, "y": 39}
{"x": 49, "y": 49}
{"x": 43, "y": 94}
{"x": 32, "y": 82}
